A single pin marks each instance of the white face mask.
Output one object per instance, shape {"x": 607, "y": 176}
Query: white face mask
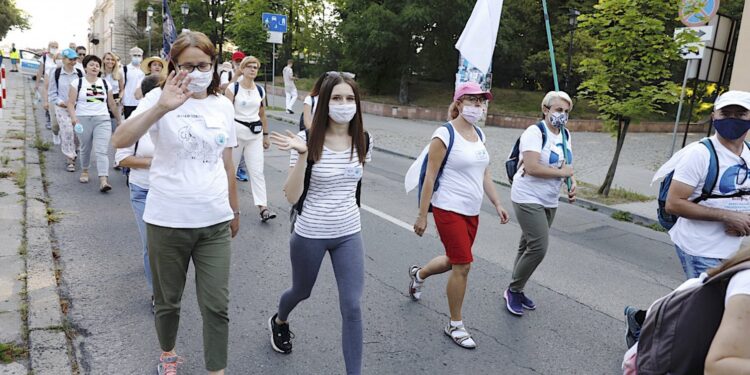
{"x": 199, "y": 81}
{"x": 342, "y": 113}
{"x": 136, "y": 60}
{"x": 53, "y": 51}
{"x": 472, "y": 114}
{"x": 59, "y": 63}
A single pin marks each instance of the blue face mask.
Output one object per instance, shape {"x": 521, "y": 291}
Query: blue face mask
{"x": 731, "y": 128}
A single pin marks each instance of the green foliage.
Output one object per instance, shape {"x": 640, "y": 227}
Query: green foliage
{"x": 11, "y": 18}
{"x": 622, "y": 216}
{"x": 628, "y": 76}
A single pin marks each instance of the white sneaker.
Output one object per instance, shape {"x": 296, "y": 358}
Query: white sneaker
{"x": 415, "y": 287}
{"x": 56, "y": 139}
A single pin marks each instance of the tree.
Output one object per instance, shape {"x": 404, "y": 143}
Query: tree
{"x": 629, "y": 75}
{"x": 11, "y": 18}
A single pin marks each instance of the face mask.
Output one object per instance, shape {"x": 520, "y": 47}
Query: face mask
{"x": 136, "y": 60}
{"x": 558, "y": 119}
{"x": 53, "y": 51}
{"x": 59, "y": 63}
{"x": 731, "y": 128}
{"x": 342, "y": 113}
{"x": 472, "y": 114}
{"x": 199, "y": 81}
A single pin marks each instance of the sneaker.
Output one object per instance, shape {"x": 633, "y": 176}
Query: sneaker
{"x": 168, "y": 364}
{"x": 281, "y": 337}
{"x": 632, "y": 327}
{"x": 513, "y": 302}
{"x": 241, "y": 174}
{"x": 527, "y": 303}
{"x": 48, "y": 126}
{"x": 415, "y": 288}
{"x": 56, "y": 139}
{"x": 289, "y": 111}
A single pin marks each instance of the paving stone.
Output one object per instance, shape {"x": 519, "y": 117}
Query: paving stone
{"x": 49, "y": 353}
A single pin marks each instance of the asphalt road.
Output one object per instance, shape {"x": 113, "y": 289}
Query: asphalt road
{"x": 595, "y": 266}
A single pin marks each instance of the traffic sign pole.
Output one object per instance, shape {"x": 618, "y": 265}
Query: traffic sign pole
{"x": 679, "y": 108}
{"x": 273, "y": 73}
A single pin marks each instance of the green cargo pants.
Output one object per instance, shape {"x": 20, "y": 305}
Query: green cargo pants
{"x": 535, "y": 221}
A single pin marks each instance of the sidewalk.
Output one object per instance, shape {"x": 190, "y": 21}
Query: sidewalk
{"x": 641, "y": 156}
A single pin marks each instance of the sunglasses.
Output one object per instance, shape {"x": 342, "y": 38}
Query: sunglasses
{"x": 742, "y": 173}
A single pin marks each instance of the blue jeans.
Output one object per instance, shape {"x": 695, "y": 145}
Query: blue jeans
{"x": 695, "y": 265}
{"x": 138, "y": 201}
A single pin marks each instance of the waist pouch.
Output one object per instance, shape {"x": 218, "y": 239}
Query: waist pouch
{"x": 255, "y": 127}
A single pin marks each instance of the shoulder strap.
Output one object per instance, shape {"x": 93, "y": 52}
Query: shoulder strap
{"x": 729, "y": 272}
{"x": 451, "y": 137}
{"x": 80, "y": 73}
{"x": 542, "y": 129}
{"x": 135, "y": 151}
{"x": 479, "y": 133}
{"x": 260, "y": 91}
{"x": 713, "y": 171}
{"x": 236, "y": 90}
{"x": 125, "y": 73}
{"x": 106, "y": 86}
{"x": 230, "y": 75}
{"x": 80, "y": 85}
{"x": 308, "y": 175}
{"x": 359, "y": 183}
{"x": 57, "y": 77}
{"x": 312, "y": 98}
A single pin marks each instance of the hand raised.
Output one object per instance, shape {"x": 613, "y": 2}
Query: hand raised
{"x": 288, "y": 141}
{"x": 175, "y": 91}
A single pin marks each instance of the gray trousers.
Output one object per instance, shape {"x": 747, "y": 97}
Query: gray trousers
{"x": 535, "y": 221}
{"x": 347, "y": 257}
{"x": 97, "y": 131}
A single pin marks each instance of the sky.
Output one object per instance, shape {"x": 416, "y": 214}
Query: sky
{"x": 45, "y": 25}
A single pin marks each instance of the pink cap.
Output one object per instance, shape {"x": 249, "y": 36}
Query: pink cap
{"x": 470, "y": 88}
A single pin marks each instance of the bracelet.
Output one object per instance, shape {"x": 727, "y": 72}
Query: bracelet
{"x": 265, "y": 133}
{"x": 237, "y": 213}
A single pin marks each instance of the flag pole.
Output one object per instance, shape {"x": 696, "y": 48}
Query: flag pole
{"x": 568, "y": 181}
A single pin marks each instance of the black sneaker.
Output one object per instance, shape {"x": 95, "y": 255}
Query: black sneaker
{"x": 281, "y": 337}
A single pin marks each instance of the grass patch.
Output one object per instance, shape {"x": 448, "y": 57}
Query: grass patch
{"x": 657, "y": 227}
{"x": 22, "y": 248}
{"x": 11, "y": 352}
{"x": 41, "y": 145}
{"x": 21, "y": 178}
{"x": 622, "y": 216}
{"x": 7, "y": 174}
{"x": 15, "y": 134}
{"x": 4, "y": 160}
{"x": 53, "y": 216}
{"x": 3, "y": 194}
{"x": 275, "y": 109}
{"x": 617, "y": 195}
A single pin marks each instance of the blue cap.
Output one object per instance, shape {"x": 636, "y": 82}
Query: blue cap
{"x": 70, "y": 53}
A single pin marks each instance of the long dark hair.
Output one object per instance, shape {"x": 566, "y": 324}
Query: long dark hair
{"x": 320, "y": 120}
{"x": 316, "y": 88}
{"x": 742, "y": 255}
{"x": 200, "y": 41}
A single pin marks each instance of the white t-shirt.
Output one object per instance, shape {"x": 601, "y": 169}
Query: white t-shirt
{"x": 135, "y": 75}
{"x": 247, "y": 104}
{"x": 79, "y": 66}
{"x": 707, "y": 238}
{"x": 738, "y": 284}
{"x": 330, "y": 209}
{"x": 92, "y": 98}
{"x": 312, "y": 101}
{"x": 462, "y": 183}
{"x": 224, "y": 77}
{"x": 188, "y": 183}
{"x": 288, "y": 75}
{"x": 535, "y": 190}
{"x": 49, "y": 65}
{"x": 114, "y": 84}
{"x": 138, "y": 176}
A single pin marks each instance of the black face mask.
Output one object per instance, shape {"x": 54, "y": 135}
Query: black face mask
{"x": 731, "y": 128}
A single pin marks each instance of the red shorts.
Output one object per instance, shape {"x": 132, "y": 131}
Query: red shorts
{"x": 457, "y": 232}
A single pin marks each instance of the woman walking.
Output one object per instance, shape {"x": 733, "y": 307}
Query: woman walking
{"x": 112, "y": 73}
{"x": 536, "y": 187}
{"x": 88, "y": 102}
{"x": 457, "y": 202}
{"x": 192, "y": 211}
{"x": 252, "y": 131}
{"x": 333, "y": 157}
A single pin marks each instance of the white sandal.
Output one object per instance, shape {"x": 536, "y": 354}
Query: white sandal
{"x": 463, "y": 340}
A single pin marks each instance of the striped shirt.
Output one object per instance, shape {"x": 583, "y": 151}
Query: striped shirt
{"x": 330, "y": 209}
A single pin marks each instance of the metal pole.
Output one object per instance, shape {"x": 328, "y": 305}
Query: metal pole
{"x": 273, "y": 72}
{"x": 549, "y": 43}
{"x": 570, "y": 59}
{"x": 679, "y": 109}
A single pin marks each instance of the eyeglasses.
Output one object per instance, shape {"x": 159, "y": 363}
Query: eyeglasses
{"x": 742, "y": 173}
{"x": 474, "y": 100}
{"x": 189, "y": 68}
{"x": 251, "y": 66}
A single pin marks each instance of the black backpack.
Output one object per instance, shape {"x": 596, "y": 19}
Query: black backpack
{"x": 257, "y": 86}
{"x": 302, "y": 115}
{"x": 57, "y": 77}
{"x": 511, "y": 165}
{"x": 296, "y": 209}
{"x": 676, "y": 335}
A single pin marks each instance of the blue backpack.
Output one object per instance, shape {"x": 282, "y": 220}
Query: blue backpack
{"x": 423, "y": 170}
{"x": 511, "y": 165}
{"x": 668, "y": 220}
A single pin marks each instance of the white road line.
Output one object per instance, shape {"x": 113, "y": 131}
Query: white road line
{"x": 390, "y": 218}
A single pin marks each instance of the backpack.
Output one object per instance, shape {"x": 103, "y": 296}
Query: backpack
{"x": 237, "y": 89}
{"x": 676, "y": 335}
{"x": 423, "y": 168}
{"x": 106, "y": 87}
{"x": 125, "y": 74}
{"x": 668, "y": 220}
{"x": 302, "y": 115}
{"x": 296, "y": 209}
{"x": 511, "y": 164}
{"x": 57, "y": 77}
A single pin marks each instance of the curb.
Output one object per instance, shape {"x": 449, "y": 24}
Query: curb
{"x": 587, "y": 204}
{"x": 49, "y": 350}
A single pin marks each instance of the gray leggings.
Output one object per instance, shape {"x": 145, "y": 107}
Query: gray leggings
{"x": 96, "y": 134}
{"x": 347, "y": 257}
{"x": 535, "y": 221}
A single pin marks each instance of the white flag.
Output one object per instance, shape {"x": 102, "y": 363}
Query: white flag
{"x": 477, "y": 42}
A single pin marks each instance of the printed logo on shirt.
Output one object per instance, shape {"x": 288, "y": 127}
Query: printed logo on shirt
{"x": 95, "y": 94}
{"x": 554, "y": 157}
{"x": 195, "y": 148}
{"x": 353, "y": 172}
{"x": 482, "y": 155}
{"x": 728, "y": 181}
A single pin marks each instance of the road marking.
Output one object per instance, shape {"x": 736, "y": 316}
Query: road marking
{"x": 390, "y": 218}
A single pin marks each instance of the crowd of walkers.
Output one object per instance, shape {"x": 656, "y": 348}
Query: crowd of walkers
{"x": 186, "y": 130}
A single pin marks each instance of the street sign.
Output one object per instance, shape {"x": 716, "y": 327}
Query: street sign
{"x": 275, "y": 37}
{"x": 698, "y": 12}
{"x": 695, "y": 50}
{"x": 274, "y": 22}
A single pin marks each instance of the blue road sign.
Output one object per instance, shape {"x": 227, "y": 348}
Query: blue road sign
{"x": 699, "y": 17}
{"x": 274, "y": 22}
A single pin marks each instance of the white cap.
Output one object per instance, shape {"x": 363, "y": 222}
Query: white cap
{"x": 735, "y": 97}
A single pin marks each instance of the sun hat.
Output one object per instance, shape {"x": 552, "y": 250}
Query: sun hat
{"x": 734, "y": 97}
{"x": 146, "y": 63}
{"x": 470, "y": 88}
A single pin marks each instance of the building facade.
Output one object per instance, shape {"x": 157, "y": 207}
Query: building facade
{"x": 114, "y": 26}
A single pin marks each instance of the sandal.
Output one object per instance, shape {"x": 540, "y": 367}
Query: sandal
{"x": 266, "y": 214}
{"x": 462, "y": 338}
{"x": 84, "y": 177}
{"x": 104, "y": 186}
{"x": 71, "y": 167}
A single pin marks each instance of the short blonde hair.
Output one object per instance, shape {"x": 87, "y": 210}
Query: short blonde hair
{"x": 552, "y": 95}
{"x": 248, "y": 60}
